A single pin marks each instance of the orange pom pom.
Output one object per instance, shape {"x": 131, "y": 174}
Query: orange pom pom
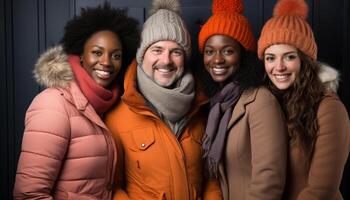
{"x": 297, "y": 8}
{"x": 234, "y": 6}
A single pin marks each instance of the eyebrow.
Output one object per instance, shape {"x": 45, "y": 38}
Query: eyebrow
{"x": 116, "y": 49}
{"x": 228, "y": 45}
{"x": 289, "y": 52}
{"x": 161, "y": 47}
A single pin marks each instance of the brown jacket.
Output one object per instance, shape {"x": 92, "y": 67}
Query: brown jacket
{"x": 157, "y": 165}
{"x": 321, "y": 181}
{"x": 254, "y": 164}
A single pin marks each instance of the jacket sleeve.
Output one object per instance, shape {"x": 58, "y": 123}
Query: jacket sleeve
{"x": 44, "y": 145}
{"x": 212, "y": 190}
{"x": 268, "y": 148}
{"x": 330, "y": 152}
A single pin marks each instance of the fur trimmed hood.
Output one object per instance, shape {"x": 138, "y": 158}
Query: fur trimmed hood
{"x": 52, "y": 68}
{"x": 329, "y": 77}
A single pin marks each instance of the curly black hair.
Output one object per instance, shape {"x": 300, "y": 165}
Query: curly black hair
{"x": 91, "y": 20}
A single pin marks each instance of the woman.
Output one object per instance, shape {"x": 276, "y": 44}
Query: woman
{"x": 67, "y": 151}
{"x": 317, "y": 121}
{"x": 245, "y": 143}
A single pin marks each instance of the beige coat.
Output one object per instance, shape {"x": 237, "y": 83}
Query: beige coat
{"x": 254, "y": 164}
{"x": 321, "y": 181}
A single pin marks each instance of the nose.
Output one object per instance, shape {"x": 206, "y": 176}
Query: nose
{"x": 280, "y": 66}
{"x": 165, "y": 58}
{"x": 218, "y": 58}
{"x": 105, "y": 60}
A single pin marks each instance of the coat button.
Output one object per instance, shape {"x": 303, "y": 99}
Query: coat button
{"x": 143, "y": 145}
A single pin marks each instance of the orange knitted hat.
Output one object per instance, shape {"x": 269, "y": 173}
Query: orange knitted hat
{"x": 288, "y": 26}
{"x": 227, "y": 19}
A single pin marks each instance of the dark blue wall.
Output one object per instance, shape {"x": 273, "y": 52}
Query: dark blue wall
{"x": 28, "y": 27}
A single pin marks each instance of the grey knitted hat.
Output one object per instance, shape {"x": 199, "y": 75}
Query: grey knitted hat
{"x": 164, "y": 23}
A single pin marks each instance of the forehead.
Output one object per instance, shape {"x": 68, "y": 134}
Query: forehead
{"x": 280, "y": 49}
{"x": 104, "y": 37}
{"x": 166, "y": 44}
{"x": 221, "y": 40}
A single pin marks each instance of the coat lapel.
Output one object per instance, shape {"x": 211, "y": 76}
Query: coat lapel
{"x": 240, "y": 108}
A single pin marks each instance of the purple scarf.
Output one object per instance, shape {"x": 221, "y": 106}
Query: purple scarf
{"x": 221, "y": 107}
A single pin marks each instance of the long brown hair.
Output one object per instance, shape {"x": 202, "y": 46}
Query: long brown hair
{"x": 300, "y": 103}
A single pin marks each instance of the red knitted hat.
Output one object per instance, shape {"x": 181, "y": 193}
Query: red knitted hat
{"x": 288, "y": 26}
{"x": 227, "y": 19}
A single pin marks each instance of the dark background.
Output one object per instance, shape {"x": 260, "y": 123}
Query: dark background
{"x": 28, "y": 27}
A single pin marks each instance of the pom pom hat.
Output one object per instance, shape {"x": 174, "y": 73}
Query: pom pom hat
{"x": 288, "y": 26}
{"x": 164, "y": 23}
{"x": 227, "y": 19}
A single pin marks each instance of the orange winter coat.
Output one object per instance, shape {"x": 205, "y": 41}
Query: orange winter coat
{"x": 157, "y": 165}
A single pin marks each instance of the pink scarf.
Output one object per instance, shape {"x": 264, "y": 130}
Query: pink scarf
{"x": 99, "y": 97}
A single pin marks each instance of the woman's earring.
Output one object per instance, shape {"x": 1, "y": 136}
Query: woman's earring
{"x": 81, "y": 60}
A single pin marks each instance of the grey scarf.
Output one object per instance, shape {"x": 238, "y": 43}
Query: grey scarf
{"x": 170, "y": 104}
{"x": 221, "y": 107}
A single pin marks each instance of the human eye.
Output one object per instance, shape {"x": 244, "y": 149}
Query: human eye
{"x": 97, "y": 53}
{"x": 228, "y": 51}
{"x": 156, "y": 51}
{"x": 177, "y": 52}
{"x": 269, "y": 58}
{"x": 116, "y": 56}
{"x": 291, "y": 57}
{"x": 208, "y": 52}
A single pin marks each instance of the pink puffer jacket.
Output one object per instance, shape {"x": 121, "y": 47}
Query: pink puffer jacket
{"x": 67, "y": 151}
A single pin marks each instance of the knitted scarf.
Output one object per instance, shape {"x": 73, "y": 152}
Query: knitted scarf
{"x": 221, "y": 107}
{"x": 172, "y": 104}
{"x": 99, "y": 97}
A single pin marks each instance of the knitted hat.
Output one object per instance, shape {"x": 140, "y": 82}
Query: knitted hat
{"x": 227, "y": 19}
{"x": 288, "y": 26}
{"x": 164, "y": 23}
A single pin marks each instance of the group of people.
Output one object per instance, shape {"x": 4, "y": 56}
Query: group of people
{"x": 124, "y": 115}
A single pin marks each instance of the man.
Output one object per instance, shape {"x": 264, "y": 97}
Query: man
{"x": 159, "y": 124}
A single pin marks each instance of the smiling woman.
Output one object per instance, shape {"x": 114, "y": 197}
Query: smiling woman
{"x": 317, "y": 121}
{"x": 282, "y": 65}
{"x": 102, "y": 57}
{"x": 67, "y": 151}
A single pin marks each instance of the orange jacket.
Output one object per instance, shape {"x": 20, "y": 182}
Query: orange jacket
{"x": 157, "y": 165}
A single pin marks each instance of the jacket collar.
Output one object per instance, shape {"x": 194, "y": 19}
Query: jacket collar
{"x": 74, "y": 95}
{"x": 246, "y": 98}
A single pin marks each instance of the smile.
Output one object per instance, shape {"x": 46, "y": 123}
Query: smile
{"x": 219, "y": 71}
{"x": 282, "y": 77}
{"x": 103, "y": 74}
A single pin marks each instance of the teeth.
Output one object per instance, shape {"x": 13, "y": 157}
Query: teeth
{"x": 282, "y": 77}
{"x": 219, "y": 71}
{"x": 164, "y": 70}
{"x": 102, "y": 74}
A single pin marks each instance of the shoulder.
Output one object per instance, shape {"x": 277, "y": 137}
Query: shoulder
{"x": 119, "y": 115}
{"x": 332, "y": 108}
{"x": 259, "y": 96}
{"x": 49, "y": 100}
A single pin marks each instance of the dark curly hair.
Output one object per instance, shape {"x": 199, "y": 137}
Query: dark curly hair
{"x": 91, "y": 20}
{"x": 300, "y": 103}
{"x": 249, "y": 74}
